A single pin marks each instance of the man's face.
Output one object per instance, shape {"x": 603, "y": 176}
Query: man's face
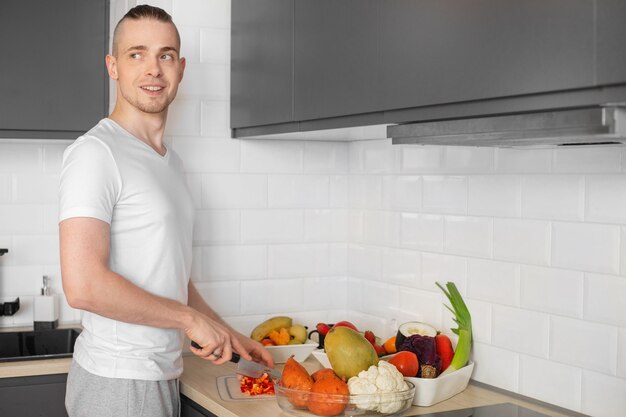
{"x": 147, "y": 67}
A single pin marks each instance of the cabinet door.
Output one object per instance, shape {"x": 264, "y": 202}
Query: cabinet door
{"x": 610, "y": 42}
{"x": 445, "y": 51}
{"x": 34, "y": 396}
{"x": 53, "y": 73}
{"x": 261, "y": 62}
{"x": 189, "y": 408}
{"x": 336, "y": 62}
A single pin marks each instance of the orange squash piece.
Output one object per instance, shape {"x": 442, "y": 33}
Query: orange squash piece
{"x": 280, "y": 338}
{"x": 326, "y": 386}
{"x": 296, "y": 377}
{"x": 323, "y": 373}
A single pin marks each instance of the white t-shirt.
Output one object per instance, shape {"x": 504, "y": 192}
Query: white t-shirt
{"x": 111, "y": 175}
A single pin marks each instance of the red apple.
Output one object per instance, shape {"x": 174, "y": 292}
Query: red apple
{"x": 322, "y": 328}
{"x": 346, "y": 324}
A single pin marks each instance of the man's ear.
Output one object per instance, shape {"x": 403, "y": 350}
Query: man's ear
{"x": 183, "y": 62}
{"x": 111, "y": 63}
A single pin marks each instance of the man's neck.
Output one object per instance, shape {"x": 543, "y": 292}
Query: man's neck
{"x": 149, "y": 128}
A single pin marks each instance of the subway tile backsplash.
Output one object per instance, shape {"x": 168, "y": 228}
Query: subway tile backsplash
{"x": 535, "y": 239}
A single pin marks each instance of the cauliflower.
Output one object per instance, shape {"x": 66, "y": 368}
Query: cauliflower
{"x": 382, "y": 379}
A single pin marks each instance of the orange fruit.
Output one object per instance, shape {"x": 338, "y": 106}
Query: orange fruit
{"x": 390, "y": 345}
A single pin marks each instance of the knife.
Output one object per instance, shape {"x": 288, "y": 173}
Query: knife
{"x": 249, "y": 368}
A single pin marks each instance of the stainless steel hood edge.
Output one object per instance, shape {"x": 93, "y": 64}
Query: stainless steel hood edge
{"x": 573, "y": 127}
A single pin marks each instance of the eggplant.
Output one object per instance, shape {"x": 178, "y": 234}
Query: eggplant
{"x": 413, "y": 327}
{"x": 425, "y": 348}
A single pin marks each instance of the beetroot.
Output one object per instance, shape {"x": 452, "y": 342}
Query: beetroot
{"x": 425, "y": 348}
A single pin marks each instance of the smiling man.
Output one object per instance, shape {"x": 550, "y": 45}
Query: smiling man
{"x": 125, "y": 228}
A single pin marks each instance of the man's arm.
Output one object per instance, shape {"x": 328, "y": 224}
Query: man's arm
{"x": 90, "y": 285}
{"x": 254, "y": 348}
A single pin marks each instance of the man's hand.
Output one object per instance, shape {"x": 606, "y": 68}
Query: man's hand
{"x": 256, "y": 350}
{"x": 216, "y": 340}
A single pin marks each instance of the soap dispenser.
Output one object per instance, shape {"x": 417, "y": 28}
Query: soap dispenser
{"x": 46, "y": 308}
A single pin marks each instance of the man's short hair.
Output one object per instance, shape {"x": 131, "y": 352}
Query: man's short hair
{"x": 143, "y": 11}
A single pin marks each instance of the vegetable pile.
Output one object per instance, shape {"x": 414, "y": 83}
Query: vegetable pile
{"x": 434, "y": 352}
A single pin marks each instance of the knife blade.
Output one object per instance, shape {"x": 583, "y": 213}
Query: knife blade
{"x": 249, "y": 368}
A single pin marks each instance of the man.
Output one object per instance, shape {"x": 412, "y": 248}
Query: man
{"x": 126, "y": 220}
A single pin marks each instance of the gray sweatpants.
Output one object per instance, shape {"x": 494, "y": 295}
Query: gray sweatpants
{"x": 90, "y": 395}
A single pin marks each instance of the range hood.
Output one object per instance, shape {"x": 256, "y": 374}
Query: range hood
{"x": 604, "y": 125}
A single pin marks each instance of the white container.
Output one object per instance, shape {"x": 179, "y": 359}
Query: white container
{"x": 280, "y": 354}
{"x": 321, "y": 357}
{"x": 434, "y": 390}
{"x": 45, "y": 308}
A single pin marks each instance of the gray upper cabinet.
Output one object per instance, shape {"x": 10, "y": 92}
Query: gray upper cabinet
{"x": 611, "y": 34}
{"x": 54, "y": 82}
{"x": 301, "y": 65}
{"x": 337, "y": 69}
{"x": 261, "y": 62}
{"x": 444, "y": 51}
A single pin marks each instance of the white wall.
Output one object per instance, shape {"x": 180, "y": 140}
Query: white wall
{"x": 534, "y": 239}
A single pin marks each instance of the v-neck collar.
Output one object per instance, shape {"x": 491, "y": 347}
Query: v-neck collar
{"x": 127, "y": 133}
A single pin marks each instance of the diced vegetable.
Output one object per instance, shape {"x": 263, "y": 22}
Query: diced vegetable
{"x": 257, "y": 386}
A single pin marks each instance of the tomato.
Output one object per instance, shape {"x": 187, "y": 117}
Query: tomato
{"x": 406, "y": 362}
{"x": 346, "y": 324}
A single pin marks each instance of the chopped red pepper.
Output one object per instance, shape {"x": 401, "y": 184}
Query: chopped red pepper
{"x": 257, "y": 386}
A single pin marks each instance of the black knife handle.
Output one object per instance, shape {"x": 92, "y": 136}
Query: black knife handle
{"x": 234, "y": 358}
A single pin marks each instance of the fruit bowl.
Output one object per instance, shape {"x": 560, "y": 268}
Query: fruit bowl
{"x": 435, "y": 390}
{"x": 382, "y": 404}
{"x": 280, "y": 354}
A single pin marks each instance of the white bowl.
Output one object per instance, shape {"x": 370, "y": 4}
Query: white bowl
{"x": 429, "y": 391}
{"x": 280, "y": 354}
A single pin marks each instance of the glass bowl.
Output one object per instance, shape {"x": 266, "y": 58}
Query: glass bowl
{"x": 381, "y": 404}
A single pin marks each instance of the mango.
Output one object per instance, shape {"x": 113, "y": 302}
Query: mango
{"x": 349, "y": 352}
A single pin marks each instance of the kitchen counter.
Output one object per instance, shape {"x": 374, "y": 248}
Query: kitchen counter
{"x": 198, "y": 383}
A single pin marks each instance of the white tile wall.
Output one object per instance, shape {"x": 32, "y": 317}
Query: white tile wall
{"x": 471, "y": 236}
{"x": 586, "y": 246}
{"x": 401, "y": 266}
{"x": 492, "y": 281}
{"x": 603, "y": 395}
{"x": 584, "y": 344}
{"x": 551, "y": 290}
{"x": 521, "y": 330}
{"x": 550, "y": 381}
{"x": 606, "y": 198}
{"x": 553, "y": 197}
{"x": 621, "y": 353}
{"x": 525, "y": 241}
{"x": 443, "y": 268}
{"x": 605, "y": 299}
{"x": 590, "y": 160}
{"x": 496, "y": 366}
{"x": 445, "y": 194}
{"x": 535, "y": 239}
{"x": 422, "y": 231}
{"x": 495, "y": 195}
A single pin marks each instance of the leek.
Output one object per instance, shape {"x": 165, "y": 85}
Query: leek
{"x": 464, "y": 330}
